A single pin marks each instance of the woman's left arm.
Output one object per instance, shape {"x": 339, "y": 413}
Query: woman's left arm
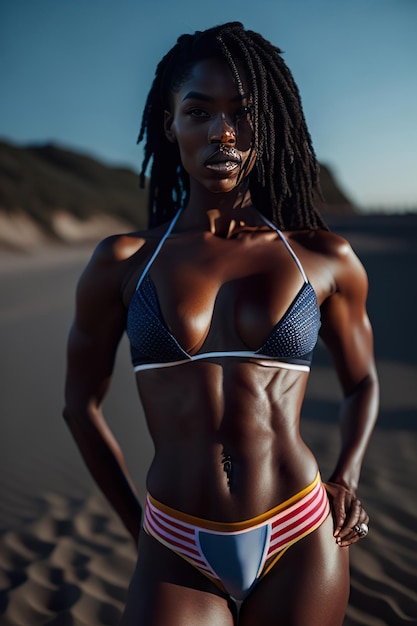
{"x": 347, "y": 332}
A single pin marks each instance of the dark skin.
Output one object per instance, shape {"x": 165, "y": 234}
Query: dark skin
{"x": 226, "y": 431}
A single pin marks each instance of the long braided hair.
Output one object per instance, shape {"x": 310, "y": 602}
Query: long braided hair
{"x": 284, "y": 183}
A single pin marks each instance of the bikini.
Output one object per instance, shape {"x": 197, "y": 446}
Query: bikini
{"x": 290, "y": 344}
{"x": 235, "y": 556}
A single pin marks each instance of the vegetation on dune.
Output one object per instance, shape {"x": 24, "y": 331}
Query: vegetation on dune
{"x": 42, "y": 179}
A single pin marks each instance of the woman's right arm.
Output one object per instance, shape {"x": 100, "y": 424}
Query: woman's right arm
{"x": 92, "y": 345}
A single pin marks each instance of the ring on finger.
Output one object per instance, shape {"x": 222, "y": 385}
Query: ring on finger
{"x": 361, "y": 529}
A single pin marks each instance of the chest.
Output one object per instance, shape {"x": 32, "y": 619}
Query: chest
{"x": 224, "y": 294}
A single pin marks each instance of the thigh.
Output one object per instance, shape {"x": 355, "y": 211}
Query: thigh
{"x": 166, "y": 590}
{"x": 308, "y": 585}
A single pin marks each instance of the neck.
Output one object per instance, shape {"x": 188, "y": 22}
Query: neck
{"x": 221, "y": 213}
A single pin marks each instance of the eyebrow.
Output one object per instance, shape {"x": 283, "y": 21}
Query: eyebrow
{"x": 196, "y": 95}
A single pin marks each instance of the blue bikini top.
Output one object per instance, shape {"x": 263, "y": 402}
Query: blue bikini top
{"x": 290, "y": 344}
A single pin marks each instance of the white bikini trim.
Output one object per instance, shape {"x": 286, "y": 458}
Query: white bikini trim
{"x": 263, "y": 360}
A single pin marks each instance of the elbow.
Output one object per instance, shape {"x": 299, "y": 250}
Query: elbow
{"x": 77, "y": 415}
{"x": 369, "y": 385}
{"x": 372, "y": 382}
{"x": 366, "y": 393}
{"x": 67, "y": 414}
{"x": 72, "y": 417}
{"x": 80, "y": 422}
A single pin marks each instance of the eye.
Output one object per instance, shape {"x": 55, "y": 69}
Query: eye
{"x": 198, "y": 113}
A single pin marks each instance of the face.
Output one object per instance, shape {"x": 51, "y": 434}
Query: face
{"x": 210, "y": 122}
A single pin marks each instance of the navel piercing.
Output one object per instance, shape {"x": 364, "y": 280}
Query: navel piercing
{"x": 227, "y": 465}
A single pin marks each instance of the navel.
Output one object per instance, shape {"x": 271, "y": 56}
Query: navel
{"x": 227, "y": 467}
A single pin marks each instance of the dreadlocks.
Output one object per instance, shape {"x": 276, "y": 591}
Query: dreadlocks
{"x": 285, "y": 180}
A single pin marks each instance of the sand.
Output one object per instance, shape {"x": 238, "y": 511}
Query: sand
{"x": 65, "y": 558}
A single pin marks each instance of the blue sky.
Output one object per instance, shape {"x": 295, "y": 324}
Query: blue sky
{"x": 77, "y": 72}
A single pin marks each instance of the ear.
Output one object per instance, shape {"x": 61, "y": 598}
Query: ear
{"x": 169, "y": 131}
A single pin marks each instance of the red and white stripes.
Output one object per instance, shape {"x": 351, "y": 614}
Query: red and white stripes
{"x": 175, "y": 534}
{"x": 298, "y": 520}
{"x": 284, "y": 525}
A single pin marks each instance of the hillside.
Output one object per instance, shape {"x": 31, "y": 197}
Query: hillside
{"x": 50, "y": 192}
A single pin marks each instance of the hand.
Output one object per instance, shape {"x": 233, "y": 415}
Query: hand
{"x": 350, "y": 518}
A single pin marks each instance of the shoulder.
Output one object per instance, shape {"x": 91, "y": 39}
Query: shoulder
{"x": 108, "y": 264}
{"x": 118, "y": 248}
{"x": 335, "y": 255}
{"x": 324, "y": 242}
{"x": 122, "y": 247}
{"x": 114, "y": 259}
{"x": 115, "y": 253}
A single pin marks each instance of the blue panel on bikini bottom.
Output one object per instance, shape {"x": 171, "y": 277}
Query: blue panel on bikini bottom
{"x": 235, "y": 557}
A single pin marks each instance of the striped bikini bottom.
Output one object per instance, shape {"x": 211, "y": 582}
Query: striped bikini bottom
{"x": 237, "y": 555}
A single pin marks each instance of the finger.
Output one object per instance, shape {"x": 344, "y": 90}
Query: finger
{"x": 352, "y": 518}
{"x": 340, "y": 502}
{"x": 346, "y": 537}
{"x": 353, "y": 537}
{"x": 339, "y": 514}
{"x": 358, "y": 532}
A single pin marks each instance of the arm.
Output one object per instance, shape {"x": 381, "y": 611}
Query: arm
{"x": 94, "y": 337}
{"x": 347, "y": 332}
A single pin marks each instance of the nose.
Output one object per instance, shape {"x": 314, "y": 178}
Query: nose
{"x": 222, "y": 131}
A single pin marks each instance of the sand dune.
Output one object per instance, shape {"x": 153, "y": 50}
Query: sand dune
{"x": 65, "y": 559}
{"x": 70, "y": 566}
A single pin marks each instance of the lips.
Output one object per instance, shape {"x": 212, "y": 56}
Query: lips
{"x": 225, "y": 159}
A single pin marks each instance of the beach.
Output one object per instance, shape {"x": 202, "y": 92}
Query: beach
{"x": 65, "y": 558}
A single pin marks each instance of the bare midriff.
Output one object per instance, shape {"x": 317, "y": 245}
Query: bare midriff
{"x": 226, "y": 437}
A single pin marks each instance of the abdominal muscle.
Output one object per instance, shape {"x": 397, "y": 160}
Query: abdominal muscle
{"x": 226, "y": 436}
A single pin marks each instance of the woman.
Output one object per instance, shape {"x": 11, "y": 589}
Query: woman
{"x": 223, "y": 299}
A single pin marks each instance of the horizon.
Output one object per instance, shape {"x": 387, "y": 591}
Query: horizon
{"x": 78, "y": 77}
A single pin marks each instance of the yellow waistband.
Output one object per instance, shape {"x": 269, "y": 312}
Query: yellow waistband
{"x": 234, "y": 526}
